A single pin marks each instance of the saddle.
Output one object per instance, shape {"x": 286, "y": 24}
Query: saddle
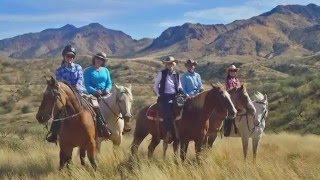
{"x": 154, "y": 113}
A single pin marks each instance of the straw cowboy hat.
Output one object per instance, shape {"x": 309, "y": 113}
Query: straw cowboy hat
{"x": 190, "y": 62}
{"x": 232, "y": 68}
{"x": 101, "y": 55}
{"x": 170, "y": 59}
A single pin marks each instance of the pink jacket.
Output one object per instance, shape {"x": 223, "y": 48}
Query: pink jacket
{"x": 232, "y": 82}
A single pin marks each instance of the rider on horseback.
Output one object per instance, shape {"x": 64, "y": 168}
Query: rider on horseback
{"x": 98, "y": 83}
{"x": 191, "y": 81}
{"x": 166, "y": 86}
{"x": 71, "y": 73}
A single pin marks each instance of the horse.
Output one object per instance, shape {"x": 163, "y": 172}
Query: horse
{"x": 193, "y": 124}
{"x": 116, "y": 109}
{"x": 62, "y": 103}
{"x": 242, "y": 103}
{"x": 252, "y": 126}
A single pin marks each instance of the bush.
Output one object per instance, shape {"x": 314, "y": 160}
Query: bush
{"x": 25, "y": 109}
{"x": 24, "y": 91}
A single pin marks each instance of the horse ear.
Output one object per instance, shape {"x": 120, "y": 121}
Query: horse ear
{"x": 265, "y": 99}
{"x": 129, "y": 86}
{"x": 52, "y": 81}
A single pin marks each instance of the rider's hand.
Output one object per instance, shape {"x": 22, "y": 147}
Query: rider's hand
{"x": 106, "y": 92}
{"x": 99, "y": 92}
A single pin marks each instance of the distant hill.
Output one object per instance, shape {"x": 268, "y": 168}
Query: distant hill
{"x": 291, "y": 30}
{"x": 87, "y": 40}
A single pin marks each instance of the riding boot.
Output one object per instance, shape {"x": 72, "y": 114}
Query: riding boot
{"x": 102, "y": 126}
{"x": 54, "y": 130}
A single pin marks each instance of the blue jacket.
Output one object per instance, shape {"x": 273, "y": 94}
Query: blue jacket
{"x": 191, "y": 83}
{"x": 95, "y": 80}
{"x": 71, "y": 74}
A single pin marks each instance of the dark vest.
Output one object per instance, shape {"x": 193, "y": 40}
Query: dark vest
{"x": 176, "y": 80}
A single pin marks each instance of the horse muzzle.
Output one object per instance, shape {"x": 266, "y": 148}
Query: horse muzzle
{"x": 42, "y": 119}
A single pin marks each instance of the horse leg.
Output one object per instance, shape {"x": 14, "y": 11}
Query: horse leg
{"x": 137, "y": 140}
{"x": 62, "y": 159}
{"x": 65, "y": 157}
{"x": 255, "y": 143}
{"x": 183, "y": 149}
{"x": 82, "y": 155}
{"x": 165, "y": 147}
{"x": 211, "y": 140}
{"x": 175, "y": 147}
{"x": 245, "y": 142}
{"x": 153, "y": 144}
{"x": 91, "y": 151}
{"x": 198, "y": 148}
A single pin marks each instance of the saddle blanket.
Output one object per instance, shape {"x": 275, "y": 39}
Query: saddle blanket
{"x": 153, "y": 113}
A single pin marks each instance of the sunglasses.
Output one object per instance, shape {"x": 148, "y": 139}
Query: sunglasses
{"x": 69, "y": 56}
{"x": 101, "y": 59}
{"x": 233, "y": 70}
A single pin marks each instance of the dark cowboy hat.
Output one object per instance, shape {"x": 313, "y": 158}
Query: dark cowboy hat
{"x": 190, "y": 62}
{"x": 101, "y": 55}
{"x": 170, "y": 59}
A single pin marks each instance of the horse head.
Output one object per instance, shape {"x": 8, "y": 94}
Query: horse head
{"x": 241, "y": 100}
{"x": 124, "y": 100}
{"x": 261, "y": 105}
{"x": 221, "y": 101}
{"x": 52, "y": 102}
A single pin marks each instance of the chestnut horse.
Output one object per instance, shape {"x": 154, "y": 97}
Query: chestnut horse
{"x": 193, "y": 124}
{"x": 242, "y": 103}
{"x": 62, "y": 103}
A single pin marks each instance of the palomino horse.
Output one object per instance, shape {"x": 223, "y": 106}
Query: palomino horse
{"x": 242, "y": 103}
{"x": 116, "y": 110}
{"x": 193, "y": 124}
{"x": 77, "y": 127}
{"x": 252, "y": 126}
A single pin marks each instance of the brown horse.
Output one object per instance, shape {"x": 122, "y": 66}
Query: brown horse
{"x": 193, "y": 124}
{"x": 242, "y": 103}
{"x": 61, "y": 103}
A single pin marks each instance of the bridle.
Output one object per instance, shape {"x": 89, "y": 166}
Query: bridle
{"x": 118, "y": 103}
{"x": 57, "y": 96}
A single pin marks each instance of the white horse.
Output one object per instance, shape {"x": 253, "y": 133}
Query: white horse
{"x": 252, "y": 126}
{"x": 116, "y": 109}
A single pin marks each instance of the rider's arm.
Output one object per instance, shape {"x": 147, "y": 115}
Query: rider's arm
{"x": 108, "y": 82}
{"x": 200, "y": 83}
{"x": 88, "y": 82}
{"x": 157, "y": 83}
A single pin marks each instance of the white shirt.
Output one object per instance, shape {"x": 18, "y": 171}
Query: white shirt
{"x": 169, "y": 84}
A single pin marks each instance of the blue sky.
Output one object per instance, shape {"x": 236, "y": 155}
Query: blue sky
{"x": 137, "y": 18}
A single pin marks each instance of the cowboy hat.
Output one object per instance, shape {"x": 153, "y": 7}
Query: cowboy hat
{"x": 190, "y": 62}
{"x": 101, "y": 55}
{"x": 232, "y": 67}
{"x": 170, "y": 59}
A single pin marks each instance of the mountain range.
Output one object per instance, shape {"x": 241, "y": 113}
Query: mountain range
{"x": 283, "y": 31}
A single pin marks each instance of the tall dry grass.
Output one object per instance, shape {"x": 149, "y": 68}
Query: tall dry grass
{"x": 280, "y": 156}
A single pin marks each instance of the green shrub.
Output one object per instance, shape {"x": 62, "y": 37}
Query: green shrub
{"x": 25, "y": 109}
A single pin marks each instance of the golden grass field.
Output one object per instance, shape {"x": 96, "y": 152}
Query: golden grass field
{"x": 280, "y": 156}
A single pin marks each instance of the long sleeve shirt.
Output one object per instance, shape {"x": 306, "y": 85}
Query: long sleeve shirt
{"x": 191, "y": 83}
{"x": 232, "y": 82}
{"x": 73, "y": 75}
{"x": 97, "y": 79}
{"x": 169, "y": 84}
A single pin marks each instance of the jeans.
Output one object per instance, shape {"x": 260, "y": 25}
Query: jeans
{"x": 167, "y": 111}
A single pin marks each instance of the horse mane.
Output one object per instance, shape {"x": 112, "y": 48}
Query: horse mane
{"x": 258, "y": 96}
{"x": 198, "y": 101}
{"x": 81, "y": 100}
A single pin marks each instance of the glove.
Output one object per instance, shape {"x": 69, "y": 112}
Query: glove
{"x": 106, "y": 92}
{"x": 180, "y": 91}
